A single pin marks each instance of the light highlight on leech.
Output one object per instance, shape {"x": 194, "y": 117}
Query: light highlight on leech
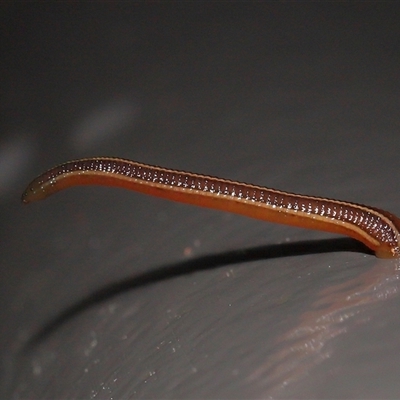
{"x": 377, "y": 229}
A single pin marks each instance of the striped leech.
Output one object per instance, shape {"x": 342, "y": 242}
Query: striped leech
{"x": 377, "y": 229}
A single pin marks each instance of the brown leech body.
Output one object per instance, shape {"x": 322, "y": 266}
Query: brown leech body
{"x": 377, "y": 229}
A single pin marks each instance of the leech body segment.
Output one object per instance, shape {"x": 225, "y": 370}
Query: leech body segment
{"x": 377, "y": 229}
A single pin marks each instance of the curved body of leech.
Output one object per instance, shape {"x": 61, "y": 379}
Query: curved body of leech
{"x": 377, "y": 229}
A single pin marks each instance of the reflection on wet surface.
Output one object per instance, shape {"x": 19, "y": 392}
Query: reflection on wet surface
{"x": 336, "y": 311}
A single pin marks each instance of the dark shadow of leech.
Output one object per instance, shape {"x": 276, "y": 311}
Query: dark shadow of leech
{"x": 186, "y": 267}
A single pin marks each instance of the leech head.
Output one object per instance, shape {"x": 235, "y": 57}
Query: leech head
{"x": 33, "y": 193}
{"x": 39, "y": 190}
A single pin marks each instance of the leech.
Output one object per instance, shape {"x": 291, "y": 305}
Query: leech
{"x": 377, "y": 229}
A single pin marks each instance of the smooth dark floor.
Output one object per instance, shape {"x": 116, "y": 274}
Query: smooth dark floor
{"x": 109, "y": 294}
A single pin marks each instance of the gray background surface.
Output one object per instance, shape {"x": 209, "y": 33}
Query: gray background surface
{"x": 301, "y": 97}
